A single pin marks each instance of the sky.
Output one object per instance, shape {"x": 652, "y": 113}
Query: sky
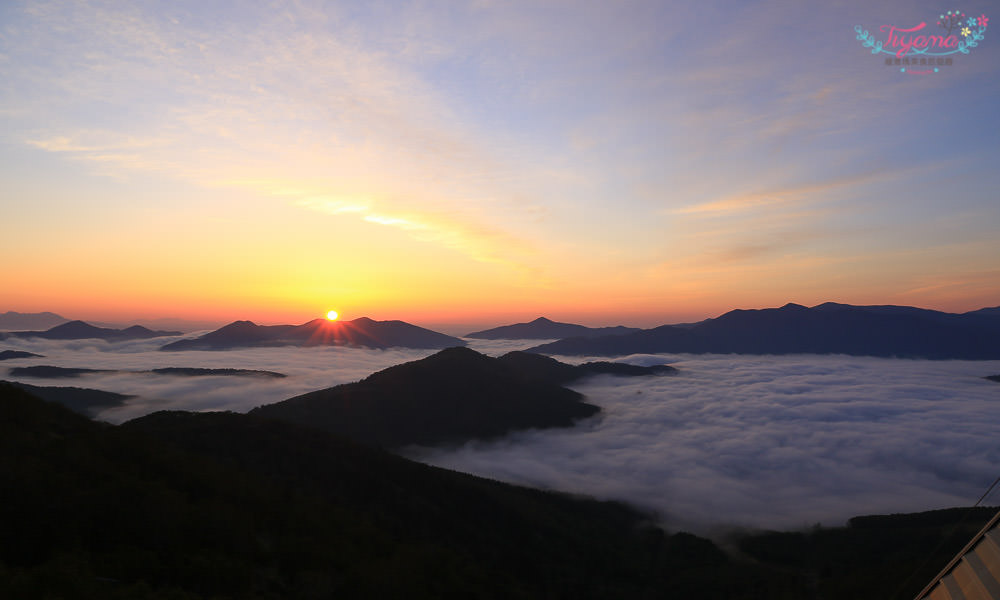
{"x": 729, "y": 441}
{"x": 486, "y": 162}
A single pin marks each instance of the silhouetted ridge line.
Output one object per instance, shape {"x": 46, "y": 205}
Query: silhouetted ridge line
{"x": 361, "y": 332}
{"x": 543, "y": 328}
{"x": 830, "y": 328}
{"x": 452, "y": 396}
{"x": 80, "y": 330}
{"x": 48, "y": 371}
{"x": 15, "y": 354}
{"x": 85, "y": 401}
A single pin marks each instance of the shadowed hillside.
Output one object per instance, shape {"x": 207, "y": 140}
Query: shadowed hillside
{"x": 223, "y": 505}
{"x": 449, "y": 397}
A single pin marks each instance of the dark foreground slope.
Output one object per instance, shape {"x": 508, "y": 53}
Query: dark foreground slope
{"x": 830, "y": 328}
{"x": 449, "y": 397}
{"x": 221, "y": 505}
{"x": 362, "y": 332}
{"x": 85, "y": 401}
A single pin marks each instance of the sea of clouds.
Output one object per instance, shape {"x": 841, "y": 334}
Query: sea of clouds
{"x": 731, "y": 440}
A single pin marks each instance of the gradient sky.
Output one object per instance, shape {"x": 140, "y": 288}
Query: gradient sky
{"x": 600, "y": 162}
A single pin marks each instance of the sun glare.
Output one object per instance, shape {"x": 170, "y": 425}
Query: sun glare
{"x": 332, "y": 315}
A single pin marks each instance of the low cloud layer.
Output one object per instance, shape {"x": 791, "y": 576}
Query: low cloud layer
{"x": 757, "y": 441}
{"x": 777, "y": 442}
{"x": 308, "y": 369}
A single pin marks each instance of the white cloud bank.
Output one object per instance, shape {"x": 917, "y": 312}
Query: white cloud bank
{"x": 766, "y": 441}
{"x": 759, "y": 441}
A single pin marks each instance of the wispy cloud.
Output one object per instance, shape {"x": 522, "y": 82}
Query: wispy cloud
{"x": 250, "y": 107}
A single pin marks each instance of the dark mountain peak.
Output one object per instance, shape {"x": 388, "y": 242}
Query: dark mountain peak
{"x": 318, "y": 323}
{"x": 832, "y": 306}
{"x": 237, "y": 325}
{"x": 454, "y": 395}
{"x": 361, "y": 332}
{"x": 78, "y": 330}
{"x": 445, "y": 365}
{"x": 137, "y": 330}
{"x": 74, "y": 327}
{"x": 543, "y": 328}
{"x": 793, "y": 306}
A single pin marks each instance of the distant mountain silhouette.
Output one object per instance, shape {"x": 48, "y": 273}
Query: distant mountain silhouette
{"x": 544, "y": 368}
{"x": 319, "y": 332}
{"x": 544, "y": 329}
{"x": 79, "y": 330}
{"x": 15, "y": 321}
{"x": 449, "y": 397}
{"x": 995, "y": 378}
{"x": 50, "y": 372}
{"x": 12, "y": 354}
{"x": 80, "y": 400}
{"x": 200, "y": 372}
{"x": 829, "y": 328}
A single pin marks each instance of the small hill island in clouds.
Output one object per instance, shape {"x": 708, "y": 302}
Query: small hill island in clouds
{"x": 361, "y": 332}
{"x": 79, "y": 330}
{"x": 543, "y": 329}
{"x": 829, "y": 328}
{"x": 450, "y": 397}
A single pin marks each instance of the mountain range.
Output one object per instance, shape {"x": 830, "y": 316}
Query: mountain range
{"x": 362, "y": 332}
{"x": 79, "y": 330}
{"x": 544, "y": 329}
{"x": 830, "y": 328}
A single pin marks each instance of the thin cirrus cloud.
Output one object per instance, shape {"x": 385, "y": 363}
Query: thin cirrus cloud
{"x": 286, "y": 107}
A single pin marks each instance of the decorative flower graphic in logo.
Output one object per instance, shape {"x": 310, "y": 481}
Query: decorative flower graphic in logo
{"x": 919, "y": 46}
{"x": 950, "y": 20}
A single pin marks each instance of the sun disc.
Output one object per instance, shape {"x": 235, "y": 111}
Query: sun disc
{"x": 332, "y": 315}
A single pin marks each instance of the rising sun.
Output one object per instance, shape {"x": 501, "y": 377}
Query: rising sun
{"x": 332, "y": 315}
